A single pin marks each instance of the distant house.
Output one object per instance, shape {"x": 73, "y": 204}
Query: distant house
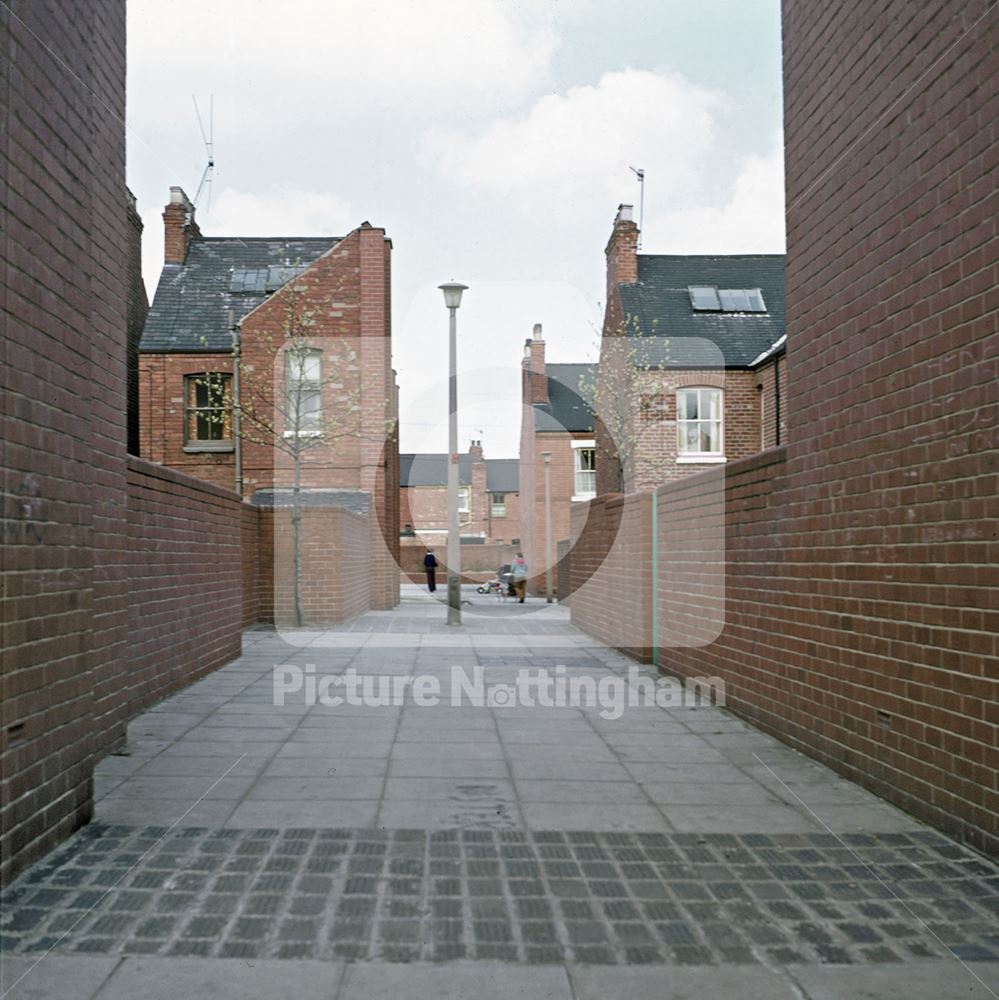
{"x": 557, "y": 418}
{"x": 488, "y": 497}
{"x": 488, "y": 511}
{"x": 691, "y": 371}
{"x": 331, "y": 401}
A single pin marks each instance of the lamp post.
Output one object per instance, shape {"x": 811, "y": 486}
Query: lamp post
{"x": 452, "y": 299}
{"x": 546, "y": 457}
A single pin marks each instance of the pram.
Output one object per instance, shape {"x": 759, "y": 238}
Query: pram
{"x": 502, "y": 586}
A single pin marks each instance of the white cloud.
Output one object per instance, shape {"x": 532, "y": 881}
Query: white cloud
{"x": 750, "y": 221}
{"x": 284, "y": 212}
{"x": 570, "y": 152}
{"x": 341, "y": 52}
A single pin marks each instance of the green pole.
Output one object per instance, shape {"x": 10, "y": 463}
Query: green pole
{"x": 655, "y": 579}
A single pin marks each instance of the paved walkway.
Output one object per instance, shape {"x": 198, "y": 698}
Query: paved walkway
{"x": 245, "y": 849}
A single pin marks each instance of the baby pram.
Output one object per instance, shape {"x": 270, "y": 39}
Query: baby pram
{"x": 502, "y": 586}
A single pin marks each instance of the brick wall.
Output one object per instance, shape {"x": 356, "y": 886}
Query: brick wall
{"x": 185, "y": 572}
{"x": 257, "y": 558}
{"x": 336, "y": 566}
{"x": 138, "y": 306}
{"x": 63, "y": 293}
{"x": 860, "y": 589}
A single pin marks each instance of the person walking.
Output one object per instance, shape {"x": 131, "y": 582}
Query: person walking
{"x": 430, "y": 568}
{"x": 520, "y": 576}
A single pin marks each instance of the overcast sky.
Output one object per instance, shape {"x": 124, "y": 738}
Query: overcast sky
{"x": 491, "y": 139}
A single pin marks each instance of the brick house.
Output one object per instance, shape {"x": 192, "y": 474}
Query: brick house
{"x": 556, "y": 417}
{"x": 691, "y": 367}
{"x": 215, "y": 292}
{"x": 488, "y": 508}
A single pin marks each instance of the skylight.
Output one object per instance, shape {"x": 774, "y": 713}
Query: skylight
{"x": 708, "y": 298}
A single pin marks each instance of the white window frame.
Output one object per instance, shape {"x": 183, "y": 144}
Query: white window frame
{"x": 578, "y": 447}
{"x": 314, "y": 426}
{"x": 497, "y": 508}
{"x": 699, "y": 457}
{"x": 464, "y": 499}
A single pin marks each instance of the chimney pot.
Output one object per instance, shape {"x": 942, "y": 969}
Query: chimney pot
{"x": 537, "y": 332}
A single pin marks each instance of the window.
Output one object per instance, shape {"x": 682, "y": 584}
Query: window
{"x": 708, "y": 298}
{"x": 303, "y": 382}
{"x": 585, "y": 462}
{"x": 465, "y": 500}
{"x": 207, "y": 408}
{"x": 497, "y": 504}
{"x": 699, "y": 422}
{"x": 704, "y": 297}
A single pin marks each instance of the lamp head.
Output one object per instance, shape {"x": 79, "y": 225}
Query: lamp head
{"x": 452, "y": 294}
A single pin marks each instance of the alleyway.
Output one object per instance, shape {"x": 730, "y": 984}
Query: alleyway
{"x": 243, "y": 849}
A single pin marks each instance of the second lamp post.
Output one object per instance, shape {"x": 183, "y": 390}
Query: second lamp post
{"x": 452, "y": 299}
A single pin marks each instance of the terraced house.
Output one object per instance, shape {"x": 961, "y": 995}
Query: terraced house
{"x": 691, "y": 365}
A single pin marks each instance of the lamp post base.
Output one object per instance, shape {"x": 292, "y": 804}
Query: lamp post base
{"x": 453, "y": 599}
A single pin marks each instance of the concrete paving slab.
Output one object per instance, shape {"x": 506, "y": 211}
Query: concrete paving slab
{"x": 722, "y": 818}
{"x": 136, "y": 810}
{"x": 319, "y": 786}
{"x": 284, "y": 814}
{"x": 53, "y": 977}
{"x": 939, "y": 980}
{"x": 593, "y": 816}
{"x": 445, "y": 814}
{"x": 221, "y": 979}
{"x": 678, "y": 983}
{"x": 456, "y": 981}
{"x": 625, "y": 792}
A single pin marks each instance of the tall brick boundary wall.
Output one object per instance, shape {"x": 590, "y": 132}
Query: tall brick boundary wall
{"x": 63, "y": 295}
{"x": 185, "y": 572}
{"x": 860, "y": 620}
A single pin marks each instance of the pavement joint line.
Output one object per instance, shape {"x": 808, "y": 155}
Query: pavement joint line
{"x": 874, "y": 872}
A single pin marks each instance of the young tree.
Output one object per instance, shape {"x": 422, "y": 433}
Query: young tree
{"x": 629, "y": 403}
{"x": 303, "y": 399}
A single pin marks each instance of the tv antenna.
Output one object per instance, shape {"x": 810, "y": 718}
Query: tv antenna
{"x": 640, "y": 174}
{"x": 209, "y": 141}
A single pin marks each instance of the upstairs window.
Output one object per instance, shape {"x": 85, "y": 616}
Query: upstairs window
{"x": 497, "y": 504}
{"x": 207, "y": 408}
{"x": 585, "y": 465}
{"x": 699, "y": 422}
{"x": 303, "y": 386}
{"x": 465, "y": 500}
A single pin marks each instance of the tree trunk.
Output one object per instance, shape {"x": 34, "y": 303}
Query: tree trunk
{"x": 296, "y": 537}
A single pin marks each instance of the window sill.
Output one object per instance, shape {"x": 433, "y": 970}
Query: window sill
{"x": 302, "y": 434}
{"x": 581, "y": 497}
{"x": 701, "y": 459}
{"x": 195, "y": 447}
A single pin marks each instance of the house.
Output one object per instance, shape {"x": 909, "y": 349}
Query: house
{"x": 488, "y": 508}
{"x": 556, "y": 419}
{"x": 691, "y": 366}
{"x": 313, "y": 398}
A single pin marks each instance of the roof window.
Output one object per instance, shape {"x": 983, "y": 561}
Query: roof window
{"x": 708, "y": 298}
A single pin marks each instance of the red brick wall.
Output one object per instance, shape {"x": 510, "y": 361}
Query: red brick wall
{"x": 63, "y": 294}
{"x": 185, "y": 607}
{"x": 336, "y": 566}
{"x": 860, "y": 621}
{"x": 257, "y": 556}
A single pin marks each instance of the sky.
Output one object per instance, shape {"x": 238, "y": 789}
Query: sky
{"x": 492, "y": 139}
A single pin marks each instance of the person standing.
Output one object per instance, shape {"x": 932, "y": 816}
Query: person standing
{"x": 430, "y": 568}
{"x": 520, "y": 576}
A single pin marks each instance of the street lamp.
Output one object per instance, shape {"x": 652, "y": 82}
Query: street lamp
{"x": 452, "y": 299}
{"x": 546, "y": 457}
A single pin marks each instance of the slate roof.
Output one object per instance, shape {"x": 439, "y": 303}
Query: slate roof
{"x": 190, "y": 311}
{"x": 659, "y": 304}
{"x": 569, "y": 406}
{"x": 502, "y": 474}
{"x": 431, "y": 469}
{"x": 357, "y": 501}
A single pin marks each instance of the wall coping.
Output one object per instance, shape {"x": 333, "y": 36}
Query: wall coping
{"x": 153, "y": 470}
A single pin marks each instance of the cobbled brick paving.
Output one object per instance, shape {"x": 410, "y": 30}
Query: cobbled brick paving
{"x": 518, "y": 896}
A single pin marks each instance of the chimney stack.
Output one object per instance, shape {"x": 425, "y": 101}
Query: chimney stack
{"x": 622, "y": 251}
{"x": 536, "y": 371}
{"x": 475, "y": 450}
{"x": 179, "y": 227}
